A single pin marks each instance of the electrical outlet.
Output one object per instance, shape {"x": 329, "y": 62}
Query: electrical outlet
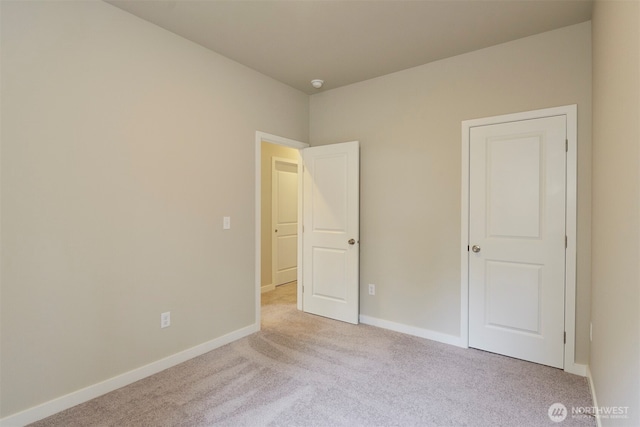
{"x": 165, "y": 319}
{"x": 372, "y": 289}
{"x": 226, "y": 223}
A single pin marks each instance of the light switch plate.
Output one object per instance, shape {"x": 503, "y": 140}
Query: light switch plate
{"x": 226, "y": 223}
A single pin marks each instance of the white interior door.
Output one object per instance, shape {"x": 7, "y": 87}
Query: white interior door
{"x": 284, "y": 218}
{"x": 517, "y": 193}
{"x": 331, "y": 204}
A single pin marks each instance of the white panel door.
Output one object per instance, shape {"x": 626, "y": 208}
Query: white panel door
{"x": 331, "y": 231}
{"x": 284, "y": 218}
{"x": 517, "y": 237}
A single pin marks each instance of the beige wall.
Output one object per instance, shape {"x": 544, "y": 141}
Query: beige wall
{"x": 268, "y": 152}
{"x": 615, "y": 350}
{"x": 123, "y": 146}
{"x": 409, "y": 125}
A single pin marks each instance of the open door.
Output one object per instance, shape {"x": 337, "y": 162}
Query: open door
{"x": 330, "y": 248}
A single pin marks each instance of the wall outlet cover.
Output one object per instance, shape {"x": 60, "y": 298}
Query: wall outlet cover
{"x": 165, "y": 319}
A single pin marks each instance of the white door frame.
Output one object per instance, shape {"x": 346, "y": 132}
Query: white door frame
{"x": 570, "y": 111}
{"x": 278, "y": 140}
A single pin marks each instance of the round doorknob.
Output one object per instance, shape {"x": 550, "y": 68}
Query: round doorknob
{"x": 475, "y": 248}
{"x": 352, "y": 241}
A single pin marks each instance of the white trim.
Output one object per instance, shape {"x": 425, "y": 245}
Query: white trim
{"x": 571, "y": 228}
{"x": 576, "y": 369}
{"x": 300, "y": 285}
{"x": 412, "y": 330}
{"x": 278, "y": 140}
{"x": 570, "y": 112}
{"x": 91, "y": 392}
{"x": 592, "y": 389}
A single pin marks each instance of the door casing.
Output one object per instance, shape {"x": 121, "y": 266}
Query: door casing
{"x": 570, "y": 111}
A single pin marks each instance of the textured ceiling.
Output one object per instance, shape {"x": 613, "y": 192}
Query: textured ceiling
{"x": 343, "y": 42}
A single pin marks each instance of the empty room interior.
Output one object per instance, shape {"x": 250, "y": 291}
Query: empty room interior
{"x": 318, "y": 207}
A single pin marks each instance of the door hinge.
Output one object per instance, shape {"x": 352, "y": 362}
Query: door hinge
{"x": 566, "y": 145}
{"x": 565, "y": 337}
{"x": 566, "y": 242}
{"x": 467, "y": 248}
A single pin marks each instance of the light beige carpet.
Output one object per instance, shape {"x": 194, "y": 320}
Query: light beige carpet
{"x": 304, "y": 370}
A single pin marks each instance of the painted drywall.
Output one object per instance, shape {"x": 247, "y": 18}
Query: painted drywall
{"x": 409, "y": 125}
{"x": 615, "y": 350}
{"x": 123, "y": 146}
{"x": 269, "y": 151}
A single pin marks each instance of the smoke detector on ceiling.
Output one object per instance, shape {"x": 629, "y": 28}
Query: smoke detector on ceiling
{"x": 317, "y": 83}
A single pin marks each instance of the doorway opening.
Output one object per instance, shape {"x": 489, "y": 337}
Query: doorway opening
{"x": 329, "y": 261}
{"x": 279, "y": 217}
{"x": 277, "y": 243}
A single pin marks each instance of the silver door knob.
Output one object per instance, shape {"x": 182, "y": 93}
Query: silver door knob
{"x": 351, "y": 242}
{"x": 475, "y": 248}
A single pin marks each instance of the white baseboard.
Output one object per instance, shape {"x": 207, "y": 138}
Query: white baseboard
{"x": 267, "y": 288}
{"x": 91, "y": 392}
{"x": 413, "y": 330}
{"x": 576, "y": 369}
{"x": 592, "y": 388}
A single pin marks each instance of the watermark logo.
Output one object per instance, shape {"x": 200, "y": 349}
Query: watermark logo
{"x": 557, "y": 412}
{"x": 602, "y": 412}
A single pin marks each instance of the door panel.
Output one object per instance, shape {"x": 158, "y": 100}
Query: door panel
{"x": 329, "y": 281}
{"x": 514, "y": 210}
{"x": 284, "y": 213}
{"x": 517, "y": 223}
{"x": 329, "y": 195}
{"x": 331, "y": 220}
{"x": 513, "y": 295}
